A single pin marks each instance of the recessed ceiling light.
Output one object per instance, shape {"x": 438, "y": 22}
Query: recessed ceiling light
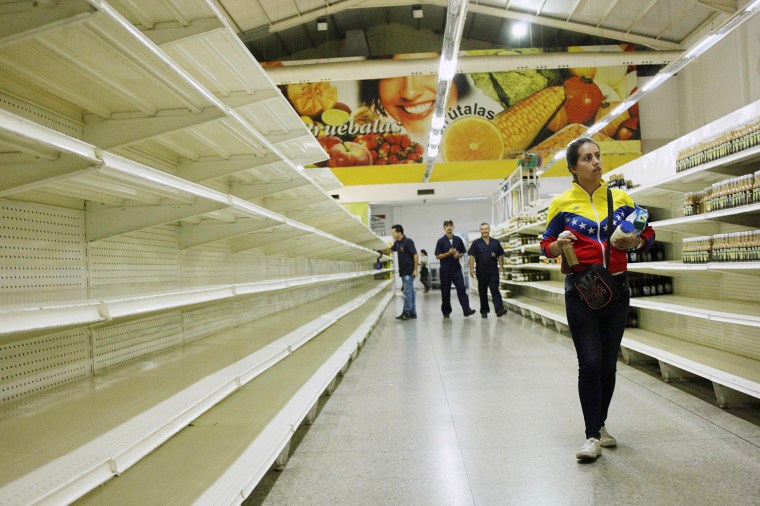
{"x": 519, "y": 30}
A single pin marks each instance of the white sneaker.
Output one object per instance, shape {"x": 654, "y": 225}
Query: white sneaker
{"x": 590, "y": 450}
{"x": 607, "y": 440}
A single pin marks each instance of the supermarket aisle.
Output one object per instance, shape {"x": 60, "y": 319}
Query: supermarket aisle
{"x": 485, "y": 412}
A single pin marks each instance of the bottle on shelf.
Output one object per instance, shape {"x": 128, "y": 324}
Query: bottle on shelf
{"x": 659, "y": 253}
{"x": 725, "y": 144}
{"x": 633, "y": 318}
{"x": 645, "y": 291}
{"x": 635, "y": 286}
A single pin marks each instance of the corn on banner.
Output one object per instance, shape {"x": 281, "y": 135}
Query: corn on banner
{"x": 375, "y": 131}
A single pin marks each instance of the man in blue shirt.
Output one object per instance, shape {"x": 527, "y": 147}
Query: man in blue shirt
{"x": 486, "y": 261}
{"x": 449, "y": 249}
{"x": 407, "y": 270}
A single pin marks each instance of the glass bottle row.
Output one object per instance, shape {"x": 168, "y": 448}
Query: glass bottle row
{"x": 733, "y": 141}
{"x": 733, "y": 247}
{"x": 522, "y": 258}
{"x": 734, "y": 192}
{"x": 527, "y": 276}
{"x": 655, "y": 254}
{"x": 649, "y": 284}
{"x": 522, "y": 240}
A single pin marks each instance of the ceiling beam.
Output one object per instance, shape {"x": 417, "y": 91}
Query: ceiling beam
{"x": 726, "y": 6}
{"x": 379, "y": 69}
{"x": 573, "y": 27}
{"x": 499, "y": 12}
{"x": 302, "y": 18}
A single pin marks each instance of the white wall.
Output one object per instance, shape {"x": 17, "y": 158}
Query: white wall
{"x": 423, "y": 223}
{"x": 722, "y": 80}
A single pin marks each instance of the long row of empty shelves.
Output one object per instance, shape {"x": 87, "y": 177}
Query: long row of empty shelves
{"x": 157, "y": 221}
{"x": 197, "y": 106}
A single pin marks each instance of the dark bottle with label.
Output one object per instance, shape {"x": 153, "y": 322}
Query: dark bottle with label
{"x": 659, "y": 254}
{"x": 660, "y": 285}
{"x": 645, "y": 292}
{"x": 635, "y": 287}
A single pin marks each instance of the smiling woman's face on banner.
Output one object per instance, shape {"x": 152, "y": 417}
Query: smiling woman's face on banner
{"x": 410, "y": 100}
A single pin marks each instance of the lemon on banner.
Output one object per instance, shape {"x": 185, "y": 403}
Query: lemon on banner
{"x": 470, "y": 138}
{"x": 335, "y": 117}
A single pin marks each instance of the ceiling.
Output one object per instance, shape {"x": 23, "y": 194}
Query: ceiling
{"x": 359, "y": 32}
{"x": 287, "y": 29}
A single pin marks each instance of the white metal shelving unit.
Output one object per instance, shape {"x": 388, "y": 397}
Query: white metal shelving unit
{"x": 715, "y": 311}
{"x": 153, "y": 195}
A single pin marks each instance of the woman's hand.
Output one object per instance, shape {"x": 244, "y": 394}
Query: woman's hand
{"x": 626, "y": 243}
{"x": 564, "y": 238}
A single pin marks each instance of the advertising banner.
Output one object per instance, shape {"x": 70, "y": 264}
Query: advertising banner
{"x": 376, "y": 131}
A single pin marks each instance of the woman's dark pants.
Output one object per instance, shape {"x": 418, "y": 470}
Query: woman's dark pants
{"x": 596, "y": 337}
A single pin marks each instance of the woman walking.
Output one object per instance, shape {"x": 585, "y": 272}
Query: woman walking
{"x": 578, "y": 218}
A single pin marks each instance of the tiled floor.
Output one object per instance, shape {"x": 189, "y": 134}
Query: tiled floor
{"x": 469, "y": 411}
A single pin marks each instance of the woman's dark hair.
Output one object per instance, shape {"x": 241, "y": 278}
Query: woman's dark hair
{"x": 571, "y": 153}
{"x": 369, "y": 94}
{"x": 423, "y": 252}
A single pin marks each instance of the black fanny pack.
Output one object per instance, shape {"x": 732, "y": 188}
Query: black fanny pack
{"x": 596, "y": 286}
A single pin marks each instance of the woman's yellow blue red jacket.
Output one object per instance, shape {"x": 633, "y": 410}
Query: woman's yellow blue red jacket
{"x": 586, "y": 217}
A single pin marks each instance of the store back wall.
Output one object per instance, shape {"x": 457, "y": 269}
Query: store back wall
{"x": 723, "y": 79}
{"x": 423, "y": 223}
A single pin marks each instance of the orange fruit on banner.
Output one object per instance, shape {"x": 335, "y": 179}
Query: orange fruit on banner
{"x": 310, "y": 99}
{"x": 470, "y": 138}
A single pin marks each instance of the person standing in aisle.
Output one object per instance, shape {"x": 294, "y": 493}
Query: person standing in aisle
{"x": 424, "y": 271}
{"x": 578, "y": 217}
{"x": 449, "y": 249}
{"x": 407, "y": 269}
{"x": 486, "y": 263}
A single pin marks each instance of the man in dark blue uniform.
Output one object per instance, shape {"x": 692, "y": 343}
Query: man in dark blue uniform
{"x": 449, "y": 250}
{"x": 407, "y": 270}
{"x": 486, "y": 261}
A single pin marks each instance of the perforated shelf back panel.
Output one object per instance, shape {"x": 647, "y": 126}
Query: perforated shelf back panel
{"x": 743, "y": 340}
{"x": 142, "y": 258}
{"x": 43, "y": 115}
{"x": 214, "y": 264}
{"x": 41, "y": 363}
{"x": 700, "y": 285}
{"x": 693, "y": 330}
{"x": 740, "y": 339}
{"x": 740, "y": 287}
{"x": 209, "y": 319}
{"x": 41, "y": 248}
{"x": 713, "y": 285}
{"x": 114, "y": 345}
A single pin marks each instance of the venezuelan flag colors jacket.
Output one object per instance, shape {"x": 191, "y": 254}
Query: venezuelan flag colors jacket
{"x": 586, "y": 217}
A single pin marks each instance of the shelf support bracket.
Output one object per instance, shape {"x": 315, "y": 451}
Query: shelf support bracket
{"x": 204, "y": 169}
{"x": 120, "y": 131}
{"x": 103, "y": 222}
{"x": 204, "y": 233}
